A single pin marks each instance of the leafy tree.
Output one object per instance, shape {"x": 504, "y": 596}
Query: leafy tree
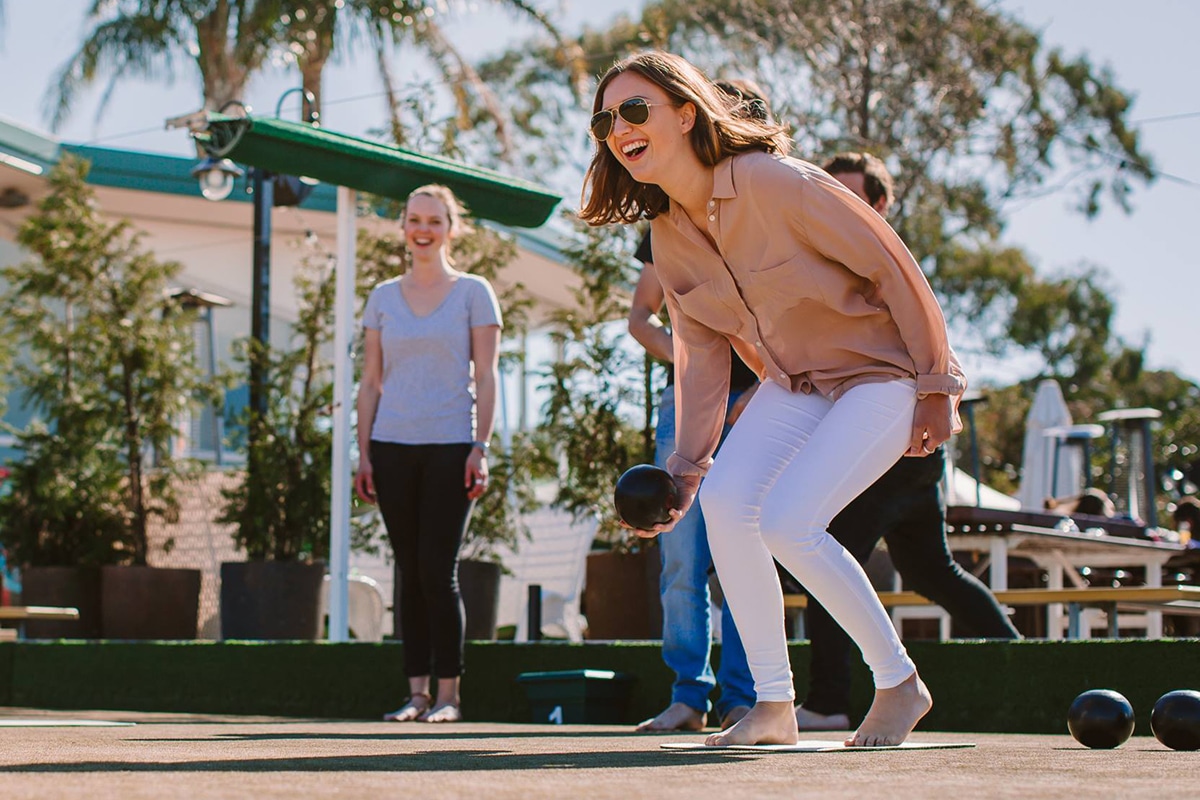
{"x": 593, "y": 384}
{"x": 973, "y": 115}
{"x": 971, "y": 112}
{"x": 281, "y": 505}
{"x": 109, "y": 367}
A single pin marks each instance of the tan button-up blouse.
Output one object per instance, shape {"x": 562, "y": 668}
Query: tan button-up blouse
{"x": 813, "y": 289}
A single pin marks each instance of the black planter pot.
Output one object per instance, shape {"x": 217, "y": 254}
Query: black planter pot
{"x": 73, "y": 587}
{"x": 621, "y": 597}
{"x": 479, "y": 584}
{"x": 149, "y": 602}
{"x": 271, "y": 600}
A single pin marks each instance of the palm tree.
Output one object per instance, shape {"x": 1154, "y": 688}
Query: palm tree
{"x": 230, "y": 40}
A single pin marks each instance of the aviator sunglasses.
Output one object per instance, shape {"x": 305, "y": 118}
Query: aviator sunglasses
{"x": 635, "y": 111}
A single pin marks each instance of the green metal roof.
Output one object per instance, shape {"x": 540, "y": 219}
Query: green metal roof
{"x": 390, "y": 171}
{"x": 296, "y": 148}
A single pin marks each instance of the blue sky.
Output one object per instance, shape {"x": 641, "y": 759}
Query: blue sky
{"x": 1150, "y": 255}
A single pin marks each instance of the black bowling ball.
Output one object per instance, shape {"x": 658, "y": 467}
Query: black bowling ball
{"x": 1175, "y": 720}
{"x": 644, "y": 496}
{"x": 1101, "y": 719}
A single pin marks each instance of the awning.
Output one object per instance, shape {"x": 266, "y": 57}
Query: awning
{"x": 294, "y": 148}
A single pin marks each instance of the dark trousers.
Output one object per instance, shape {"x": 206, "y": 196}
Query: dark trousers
{"x": 426, "y": 511}
{"x": 906, "y": 509}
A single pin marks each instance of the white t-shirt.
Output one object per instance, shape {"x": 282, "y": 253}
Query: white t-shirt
{"x": 428, "y": 389}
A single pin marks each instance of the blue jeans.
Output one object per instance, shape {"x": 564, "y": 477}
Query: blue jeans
{"x": 687, "y": 621}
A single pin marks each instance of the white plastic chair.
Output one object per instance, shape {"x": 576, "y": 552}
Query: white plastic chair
{"x": 555, "y": 558}
{"x": 365, "y": 607}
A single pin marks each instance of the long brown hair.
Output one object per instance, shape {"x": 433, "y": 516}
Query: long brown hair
{"x": 610, "y": 194}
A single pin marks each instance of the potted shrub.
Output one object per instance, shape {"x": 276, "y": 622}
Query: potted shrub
{"x": 497, "y": 525}
{"x": 593, "y": 387}
{"x": 280, "y": 507}
{"x": 108, "y": 366}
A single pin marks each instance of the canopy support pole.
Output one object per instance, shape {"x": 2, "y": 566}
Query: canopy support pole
{"x": 343, "y": 377}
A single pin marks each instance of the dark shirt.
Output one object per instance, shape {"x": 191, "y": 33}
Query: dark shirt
{"x": 741, "y": 377}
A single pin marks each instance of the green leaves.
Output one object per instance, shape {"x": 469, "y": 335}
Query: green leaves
{"x": 107, "y": 362}
{"x": 594, "y": 384}
{"x": 281, "y": 505}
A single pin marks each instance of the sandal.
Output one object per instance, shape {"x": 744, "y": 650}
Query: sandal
{"x": 446, "y": 713}
{"x": 414, "y": 708}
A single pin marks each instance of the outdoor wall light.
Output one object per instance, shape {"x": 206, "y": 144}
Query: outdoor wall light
{"x": 216, "y": 176}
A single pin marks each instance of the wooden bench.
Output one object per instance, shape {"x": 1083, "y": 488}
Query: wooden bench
{"x": 22, "y": 614}
{"x": 1171, "y": 599}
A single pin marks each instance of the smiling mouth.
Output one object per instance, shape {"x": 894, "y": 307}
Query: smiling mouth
{"x": 634, "y": 149}
{"x": 422, "y": 241}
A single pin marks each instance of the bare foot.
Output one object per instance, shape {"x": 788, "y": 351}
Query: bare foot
{"x": 412, "y": 710}
{"x": 734, "y": 716}
{"x": 893, "y": 715}
{"x": 812, "y": 721}
{"x": 443, "y": 713}
{"x": 766, "y": 723}
{"x": 675, "y": 717}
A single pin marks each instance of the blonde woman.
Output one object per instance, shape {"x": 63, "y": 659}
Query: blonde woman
{"x": 426, "y": 406}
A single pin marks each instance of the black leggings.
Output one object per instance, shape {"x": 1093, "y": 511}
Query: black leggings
{"x": 907, "y": 510}
{"x": 426, "y": 511}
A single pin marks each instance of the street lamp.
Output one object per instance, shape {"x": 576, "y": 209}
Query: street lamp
{"x": 216, "y": 176}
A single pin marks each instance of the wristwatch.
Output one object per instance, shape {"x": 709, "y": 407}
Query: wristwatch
{"x": 481, "y": 446}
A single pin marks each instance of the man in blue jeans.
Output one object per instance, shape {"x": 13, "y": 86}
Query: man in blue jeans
{"x": 687, "y": 621}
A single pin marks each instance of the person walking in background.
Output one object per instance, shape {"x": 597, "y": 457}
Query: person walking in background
{"x": 683, "y": 585}
{"x": 426, "y": 407}
{"x": 772, "y": 256}
{"x": 907, "y": 509}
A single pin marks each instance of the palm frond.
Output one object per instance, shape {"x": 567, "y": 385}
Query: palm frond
{"x": 571, "y": 53}
{"x": 460, "y": 76}
{"x": 379, "y": 45}
{"x": 138, "y": 45}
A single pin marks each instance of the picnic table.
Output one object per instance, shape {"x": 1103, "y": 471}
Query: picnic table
{"x": 22, "y": 614}
{"x": 1060, "y": 552}
{"x": 1179, "y": 599}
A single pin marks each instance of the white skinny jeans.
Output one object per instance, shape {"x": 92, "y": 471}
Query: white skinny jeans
{"x": 789, "y": 465}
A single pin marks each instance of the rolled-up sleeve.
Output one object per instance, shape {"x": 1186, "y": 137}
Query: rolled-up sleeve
{"x": 845, "y": 230}
{"x": 701, "y": 391}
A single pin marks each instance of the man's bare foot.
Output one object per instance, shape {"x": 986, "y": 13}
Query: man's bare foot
{"x": 447, "y": 712}
{"x": 415, "y": 707}
{"x": 812, "y": 721}
{"x": 734, "y": 716}
{"x": 893, "y": 715}
{"x": 766, "y": 723}
{"x": 675, "y": 717}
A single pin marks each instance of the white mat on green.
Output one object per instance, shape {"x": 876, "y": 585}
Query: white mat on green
{"x": 812, "y": 746}
{"x": 49, "y": 722}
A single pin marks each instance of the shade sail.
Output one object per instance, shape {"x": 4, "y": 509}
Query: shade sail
{"x": 293, "y": 148}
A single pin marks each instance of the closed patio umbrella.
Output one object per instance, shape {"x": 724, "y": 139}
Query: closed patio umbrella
{"x": 1049, "y": 411}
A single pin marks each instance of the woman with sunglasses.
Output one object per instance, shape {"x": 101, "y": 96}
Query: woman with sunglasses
{"x": 822, "y": 300}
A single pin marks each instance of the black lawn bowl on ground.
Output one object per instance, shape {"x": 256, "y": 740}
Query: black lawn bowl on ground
{"x": 1175, "y": 720}
{"x": 1100, "y": 719}
{"x": 644, "y": 496}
